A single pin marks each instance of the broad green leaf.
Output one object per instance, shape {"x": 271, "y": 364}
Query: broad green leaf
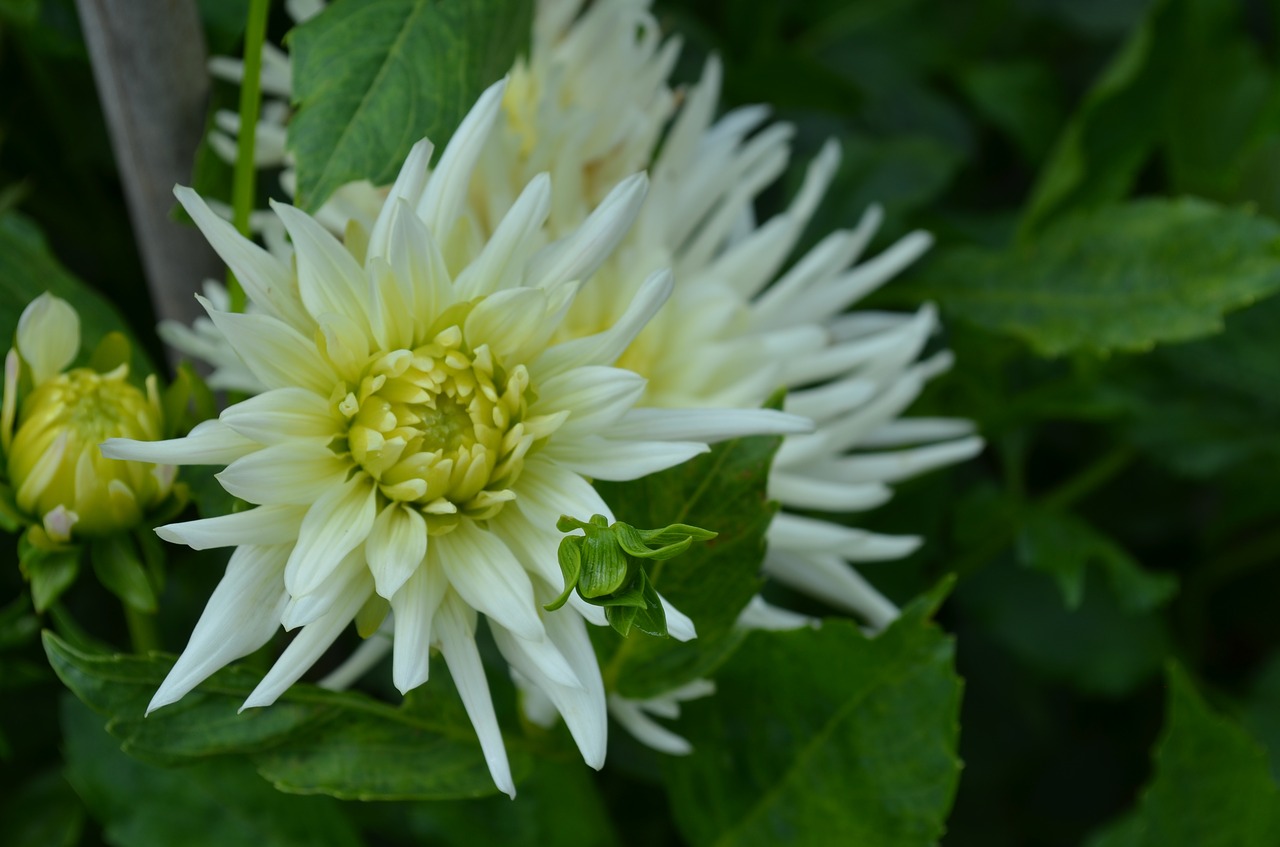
{"x": 27, "y": 269}
{"x": 724, "y": 492}
{"x": 311, "y": 741}
{"x": 1061, "y": 545}
{"x": 372, "y": 77}
{"x": 216, "y": 802}
{"x": 1212, "y": 405}
{"x": 825, "y": 737}
{"x": 1211, "y": 786}
{"x": 1121, "y": 278}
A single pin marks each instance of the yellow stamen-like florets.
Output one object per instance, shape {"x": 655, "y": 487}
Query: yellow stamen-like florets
{"x": 440, "y": 426}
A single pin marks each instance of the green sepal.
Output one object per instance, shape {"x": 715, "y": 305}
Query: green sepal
{"x": 112, "y": 351}
{"x": 605, "y": 568}
{"x": 621, "y": 618}
{"x": 51, "y": 570}
{"x": 120, "y": 570}
{"x": 570, "y": 556}
{"x": 652, "y": 619}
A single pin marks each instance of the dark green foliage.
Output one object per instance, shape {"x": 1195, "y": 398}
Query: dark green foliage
{"x": 372, "y": 78}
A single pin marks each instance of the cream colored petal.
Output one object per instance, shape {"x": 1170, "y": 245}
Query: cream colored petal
{"x": 265, "y": 525}
{"x": 241, "y": 615}
{"x": 596, "y": 397}
{"x": 329, "y": 278}
{"x": 209, "y": 443}
{"x": 458, "y": 644}
{"x": 500, "y": 263}
{"x": 276, "y": 353}
{"x": 296, "y": 473}
{"x": 310, "y": 644}
{"x": 48, "y": 336}
{"x": 396, "y": 546}
{"x": 337, "y": 523}
{"x": 283, "y": 415}
{"x": 600, "y": 458}
{"x": 266, "y": 280}
{"x": 489, "y": 578}
{"x": 446, "y": 190}
{"x": 415, "y": 607}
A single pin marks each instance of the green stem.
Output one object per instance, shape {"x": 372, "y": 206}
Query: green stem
{"x": 142, "y": 630}
{"x": 1064, "y": 496}
{"x": 245, "y": 176}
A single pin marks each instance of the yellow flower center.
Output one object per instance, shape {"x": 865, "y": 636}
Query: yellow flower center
{"x": 440, "y": 426}
{"x": 54, "y": 458}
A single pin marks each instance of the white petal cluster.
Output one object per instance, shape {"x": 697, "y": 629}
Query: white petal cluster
{"x": 594, "y": 101}
{"x": 419, "y": 434}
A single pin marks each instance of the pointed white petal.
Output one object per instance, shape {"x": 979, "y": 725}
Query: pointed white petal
{"x": 577, "y": 256}
{"x": 208, "y": 443}
{"x": 337, "y": 523}
{"x": 595, "y": 396}
{"x": 510, "y": 243}
{"x": 415, "y": 606}
{"x": 709, "y": 425}
{"x": 396, "y": 546}
{"x": 329, "y": 277}
{"x": 645, "y": 729}
{"x": 794, "y": 532}
{"x": 678, "y": 624}
{"x": 284, "y": 473}
{"x": 363, "y": 659}
{"x": 486, "y": 575}
{"x": 283, "y": 415}
{"x": 583, "y": 709}
{"x": 604, "y": 348}
{"x": 274, "y": 352}
{"x": 261, "y": 526}
{"x": 446, "y": 190}
{"x": 829, "y": 578}
{"x": 458, "y": 644}
{"x": 242, "y": 614}
{"x": 600, "y": 458}
{"x": 408, "y": 187}
{"x": 266, "y": 280}
{"x": 310, "y": 643}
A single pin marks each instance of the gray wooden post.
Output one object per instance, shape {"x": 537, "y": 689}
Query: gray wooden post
{"x": 149, "y": 66}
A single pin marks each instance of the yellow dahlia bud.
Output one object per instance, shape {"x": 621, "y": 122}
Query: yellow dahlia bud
{"x": 58, "y": 474}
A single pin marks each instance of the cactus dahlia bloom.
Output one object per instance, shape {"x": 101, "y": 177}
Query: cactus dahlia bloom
{"x": 419, "y": 435}
{"x": 51, "y": 435}
{"x": 593, "y": 102}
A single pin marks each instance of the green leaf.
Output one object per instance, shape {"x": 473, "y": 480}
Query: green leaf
{"x": 119, "y": 568}
{"x": 825, "y": 737}
{"x": 50, "y": 572}
{"x": 311, "y": 741}
{"x": 723, "y": 491}
{"x": 372, "y": 78}
{"x": 214, "y": 803}
{"x": 1022, "y": 98}
{"x": 1122, "y": 278}
{"x": 1062, "y": 545}
{"x": 1211, "y": 786}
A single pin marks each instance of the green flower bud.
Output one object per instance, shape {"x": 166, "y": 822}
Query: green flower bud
{"x": 58, "y": 474}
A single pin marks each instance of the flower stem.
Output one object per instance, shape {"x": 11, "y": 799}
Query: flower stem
{"x": 242, "y": 186}
{"x": 142, "y": 629}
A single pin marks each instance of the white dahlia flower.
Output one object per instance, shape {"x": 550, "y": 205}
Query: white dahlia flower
{"x": 592, "y": 103}
{"x": 420, "y": 434}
